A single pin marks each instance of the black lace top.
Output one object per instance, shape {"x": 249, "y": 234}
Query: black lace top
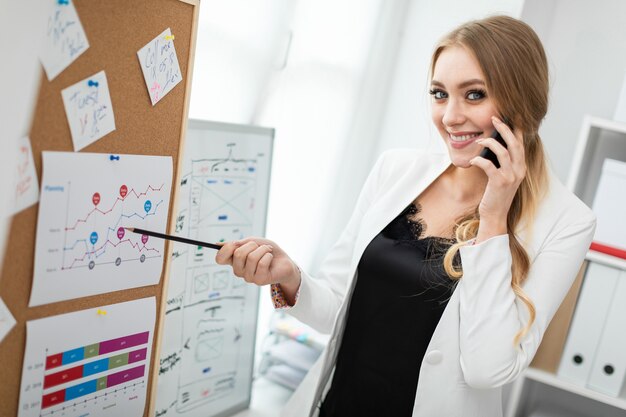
{"x": 400, "y": 294}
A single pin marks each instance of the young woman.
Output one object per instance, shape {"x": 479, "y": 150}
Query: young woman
{"x": 449, "y": 271}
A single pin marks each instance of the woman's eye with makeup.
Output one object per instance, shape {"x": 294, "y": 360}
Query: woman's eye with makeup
{"x": 476, "y": 95}
{"x": 438, "y": 94}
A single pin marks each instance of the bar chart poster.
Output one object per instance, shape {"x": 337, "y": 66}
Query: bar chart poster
{"x": 87, "y": 201}
{"x": 89, "y": 363}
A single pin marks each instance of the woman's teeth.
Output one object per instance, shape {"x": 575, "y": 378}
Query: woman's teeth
{"x": 463, "y": 138}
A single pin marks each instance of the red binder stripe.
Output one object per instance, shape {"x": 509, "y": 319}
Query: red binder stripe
{"x": 609, "y": 250}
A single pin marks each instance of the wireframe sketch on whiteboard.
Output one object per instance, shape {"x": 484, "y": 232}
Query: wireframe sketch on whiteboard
{"x": 93, "y": 362}
{"x": 86, "y": 201}
{"x": 210, "y": 320}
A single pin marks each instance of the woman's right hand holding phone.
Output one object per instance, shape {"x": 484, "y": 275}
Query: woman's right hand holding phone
{"x": 260, "y": 261}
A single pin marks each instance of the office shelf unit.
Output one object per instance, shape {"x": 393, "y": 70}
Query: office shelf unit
{"x": 598, "y": 139}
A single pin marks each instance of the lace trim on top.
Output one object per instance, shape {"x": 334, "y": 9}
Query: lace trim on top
{"x": 417, "y": 225}
{"x": 406, "y": 229}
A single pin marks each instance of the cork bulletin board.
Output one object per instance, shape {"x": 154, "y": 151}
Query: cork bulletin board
{"x": 116, "y": 30}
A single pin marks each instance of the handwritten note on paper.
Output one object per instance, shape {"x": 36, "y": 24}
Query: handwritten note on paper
{"x": 26, "y": 184}
{"x": 159, "y": 64}
{"x": 7, "y": 321}
{"x": 65, "y": 39}
{"x": 89, "y": 110}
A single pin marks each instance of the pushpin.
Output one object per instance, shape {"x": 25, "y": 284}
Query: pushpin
{"x": 62, "y": 2}
{"x": 114, "y": 157}
{"x": 91, "y": 83}
{"x": 169, "y": 37}
{"x": 101, "y": 312}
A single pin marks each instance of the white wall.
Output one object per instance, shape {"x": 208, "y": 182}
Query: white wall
{"x": 586, "y": 46}
{"x": 19, "y": 82}
{"x": 407, "y": 118}
{"x": 239, "y": 43}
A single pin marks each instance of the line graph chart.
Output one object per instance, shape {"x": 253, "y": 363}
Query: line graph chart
{"x": 85, "y": 251}
{"x": 82, "y": 245}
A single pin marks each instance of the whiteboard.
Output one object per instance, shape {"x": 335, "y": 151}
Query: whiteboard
{"x": 207, "y": 346}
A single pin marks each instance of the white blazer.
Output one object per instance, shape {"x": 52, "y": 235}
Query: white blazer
{"x": 471, "y": 353}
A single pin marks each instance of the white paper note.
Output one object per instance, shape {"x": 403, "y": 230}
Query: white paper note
{"x": 26, "y": 184}
{"x": 159, "y": 64}
{"x": 87, "y": 200}
{"x": 92, "y": 363}
{"x": 88, "y": 109}
{"x": 7, "y": 321}
{"x": 65, "y": 39}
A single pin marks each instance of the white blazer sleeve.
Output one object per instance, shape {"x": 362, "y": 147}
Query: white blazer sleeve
{"x": 320, "y": 297}
{"x": 490, "y": 313}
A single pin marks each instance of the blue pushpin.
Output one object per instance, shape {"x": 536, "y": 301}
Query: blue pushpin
{"x": 114, "y": 157}
{"x": 91, "y": 83}
{"x": 62, "y": 2}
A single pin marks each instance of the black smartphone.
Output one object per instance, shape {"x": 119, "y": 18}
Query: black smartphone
{"x": 488, "y": 153}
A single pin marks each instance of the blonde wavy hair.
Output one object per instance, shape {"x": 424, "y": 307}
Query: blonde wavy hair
{"x": 514, "y": 64}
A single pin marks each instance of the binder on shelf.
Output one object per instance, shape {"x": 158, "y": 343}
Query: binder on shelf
{"x": 609, "y": 366}
{"x": 608, "y": 205}
{"x": 550, "y": 351}
{"x": 589, "y": 317}
{"x": 609, "y": 250}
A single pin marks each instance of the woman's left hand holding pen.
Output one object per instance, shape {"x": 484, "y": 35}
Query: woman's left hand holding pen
{"x": 260, "y": 261}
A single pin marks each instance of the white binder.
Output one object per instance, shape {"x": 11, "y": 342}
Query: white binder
{"x": 608, "y": 205}
{"x": 609, "y": 366}
{"x": 586, "y": 328}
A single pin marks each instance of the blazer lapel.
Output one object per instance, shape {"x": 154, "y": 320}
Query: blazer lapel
{"x": 401, "y": 193}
